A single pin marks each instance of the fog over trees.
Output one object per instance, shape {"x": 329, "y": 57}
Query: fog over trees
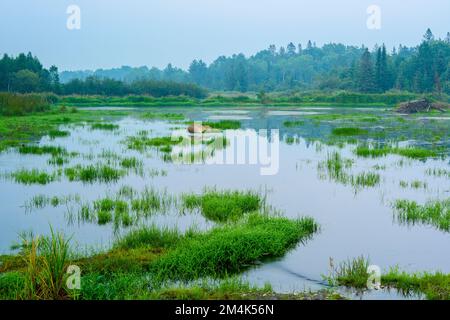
{"x": 421, "y": 69}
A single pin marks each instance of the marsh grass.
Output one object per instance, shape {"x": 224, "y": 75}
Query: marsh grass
{"x": 41, "y": 201}
{"x": 133, "y": 163}
{"x": 438, "y": 172}
{"x": 349, "y": 131}
{"x": 222, "y": 206}
{"x": 94, "y": 173}
{"x": 416, "y": 184}
{"x": 109, "y": 155}
{"x": 353, "y": 273}
{"x": 223, "y": 124}
{"x": 127, "y": 192}
{"x": 435, "y": 213}
{"x": 33, "y": 176}
{"x": 435, "y": 286}
{"x": 291, "y": 140}
{"x": 157, "y": 173}
{"x": 153, "y": 237}
{"x": 371, "y": 152}
{"x": 56, "y": 133}
{"x": 293, "y": 124}
{"x": 350, "y": 273}
{"x": 58, "y": 161}
{"x": 335, "y": 167}
{"x": 46, "y": 260}
{"x": 104, "y": 126}
{"x": 233, "y": 248}
{"x": 152, "y": 201}
{"x": 40, "y": 150}
{"x": 11, "y": 286}
{"x": 141, "y": 143}
{"x": 127, "y": 208}
{"x": 408, "y": 152}
{"x": 108, "y": 210}
{"x": 163, "y": 115}
{"x": 365, "y": 179}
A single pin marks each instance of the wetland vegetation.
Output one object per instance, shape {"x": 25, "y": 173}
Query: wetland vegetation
{"x": 239, "y": 230}
{"x": 112, "y": 176}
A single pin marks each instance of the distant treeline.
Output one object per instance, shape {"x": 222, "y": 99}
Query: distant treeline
{"x": 25, "y": 74}
{"x": 421, "y": 69}
{"x": 110, "y": 87}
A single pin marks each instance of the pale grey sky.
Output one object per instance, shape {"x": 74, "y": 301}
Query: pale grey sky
{"x": 155, "y": 32}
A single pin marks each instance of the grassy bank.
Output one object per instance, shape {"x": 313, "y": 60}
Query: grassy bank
{"x": 144, "y": 263}
{"x": 341, "y": 98}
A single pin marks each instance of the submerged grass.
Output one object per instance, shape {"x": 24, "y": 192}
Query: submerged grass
{"x": 93, "y": 173}
{"x": 366, "y": 179}
{"x": 335, "y": 167}
{"x": 127, "y": 208}
{"x": 33, "y": 176}
{"x": 104, "y": 126}
{"x": 151, "y": 201}
{"x": 40, "y": 150}
{"x": 41, "y": 201}
{"x": 438, "y": 172}
{"x": 141, "y": 143}
{"x": 408, "y": 152}
{"x": 435, "y": 213}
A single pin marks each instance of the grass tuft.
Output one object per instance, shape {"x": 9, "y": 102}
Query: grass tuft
{"x": 91, "y": 173}
{"x": 104, "y": 126}
{"x": 349, "y": 131}
{"x": 33, "y": 176}
{"x": 435, "y": 213}
{"x": 221, "y": 206}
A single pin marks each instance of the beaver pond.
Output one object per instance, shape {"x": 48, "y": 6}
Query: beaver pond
{"x": 356, "y": 171}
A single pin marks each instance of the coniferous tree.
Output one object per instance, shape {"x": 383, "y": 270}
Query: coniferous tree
{"x": 366, "y": 77}
{"x": 291, "y": 49}
{"x": 428, "y": 35}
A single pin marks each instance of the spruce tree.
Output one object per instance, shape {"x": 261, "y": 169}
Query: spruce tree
{"x": 366, "y": 77}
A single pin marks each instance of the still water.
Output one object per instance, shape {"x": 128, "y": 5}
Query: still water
{"x": 352, "y": 222}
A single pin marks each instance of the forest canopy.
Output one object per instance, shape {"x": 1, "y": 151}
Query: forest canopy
{"x": 421, "y": 69}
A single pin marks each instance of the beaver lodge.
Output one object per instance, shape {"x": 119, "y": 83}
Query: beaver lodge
{"x": 422, "y": 105}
